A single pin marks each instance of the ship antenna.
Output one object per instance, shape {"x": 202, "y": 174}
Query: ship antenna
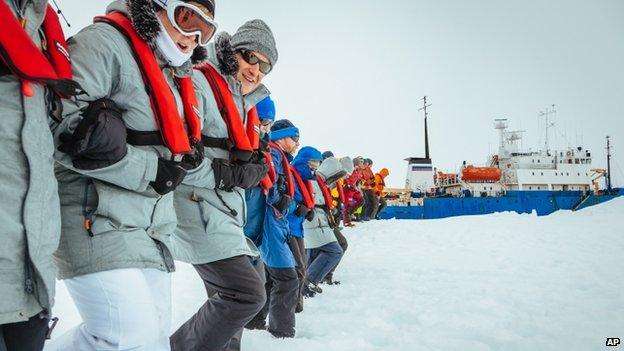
{"x": 425, "y": 105}
{"x": 608, "y": 164}
{"x": 546, "y": 114}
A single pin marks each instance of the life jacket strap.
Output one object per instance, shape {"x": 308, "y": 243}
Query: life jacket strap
{"x": 143, "y": 138}
{"x": 218, "y": 143}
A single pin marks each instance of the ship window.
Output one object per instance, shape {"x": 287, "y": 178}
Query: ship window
{"x": 538, "y": 160}
{"x": 578, "y": 174}
{"x": 560, "y": 161}
{"x": 556, "y": 173}
{"x": 530, "y": 188}
{"x": 542, "y": 173}
{"x": 567, "y": 173}
{"x": 533, "y": 161}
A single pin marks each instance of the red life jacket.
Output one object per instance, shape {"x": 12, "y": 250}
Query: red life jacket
{"x": 290, "y": 186}
{"x": 244, "y": 139}
{"x": 267, "y": 182}
{"x": 305, "y": 187}
{"x": 341, "y": 194}
{"x": 329, "y": 200}
{"x": 162, "y": 100}
{"x": 26, "y": 61}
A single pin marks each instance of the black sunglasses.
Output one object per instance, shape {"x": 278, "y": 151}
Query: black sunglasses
{"x": 295, "y": 139}
{"x": 252, "y": 59}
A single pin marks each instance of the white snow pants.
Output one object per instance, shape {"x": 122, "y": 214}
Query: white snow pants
{"x": 121, "y": 309}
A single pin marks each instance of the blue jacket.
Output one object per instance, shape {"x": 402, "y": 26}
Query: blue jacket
{"x": 274, "y": 248}
{"x": 300, "y": 163}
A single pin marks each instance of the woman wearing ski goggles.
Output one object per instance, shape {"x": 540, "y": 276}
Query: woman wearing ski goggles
{"x": 191, "y": 18}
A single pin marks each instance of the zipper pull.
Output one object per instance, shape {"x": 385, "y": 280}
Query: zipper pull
{"x": 22, "y": 22}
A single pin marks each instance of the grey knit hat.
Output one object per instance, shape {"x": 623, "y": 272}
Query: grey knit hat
{"x": 255, "y": 35}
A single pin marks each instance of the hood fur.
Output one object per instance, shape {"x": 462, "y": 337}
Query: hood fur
{"x": 225, "y": 54}
{"x": 143, "y": 17}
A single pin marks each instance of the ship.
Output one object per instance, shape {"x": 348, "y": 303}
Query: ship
{"x": 513, "y": 179}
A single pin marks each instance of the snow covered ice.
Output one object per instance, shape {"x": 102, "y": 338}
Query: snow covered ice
{"x": 494, "y": 282}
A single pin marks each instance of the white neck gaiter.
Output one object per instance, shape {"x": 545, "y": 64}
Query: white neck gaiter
{"x": 169, "y": 49}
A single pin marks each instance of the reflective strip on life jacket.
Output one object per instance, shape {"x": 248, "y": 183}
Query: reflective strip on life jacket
{"x": 304, "y": 187}
{"x": 329, "y": 200}
{"x": 290, "y": 186}
{"x": 26, "y": 61}
{"x": 162, "y": 100}
{"x": 246, "y": 139}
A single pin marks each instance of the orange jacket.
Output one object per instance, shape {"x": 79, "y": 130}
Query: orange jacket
{"x": 380, "y": 184}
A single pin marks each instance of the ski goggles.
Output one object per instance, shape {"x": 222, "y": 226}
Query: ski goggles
{"x": 190, "y": 20}
{"x": 252, "y": 59}
{"x": 314, "y": 164}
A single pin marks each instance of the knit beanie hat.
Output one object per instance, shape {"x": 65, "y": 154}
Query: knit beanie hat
{"x": 255, "y": 35}
{"x": 327, "y": 154}
{"x": 282, "y": 129}
{"x": 266, "y": 109}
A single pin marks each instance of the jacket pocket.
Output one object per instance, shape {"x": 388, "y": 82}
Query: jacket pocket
{"x": 119, "y": 209}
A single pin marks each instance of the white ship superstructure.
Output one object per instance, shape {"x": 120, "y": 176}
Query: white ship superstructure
{"x": 569, "y": 169}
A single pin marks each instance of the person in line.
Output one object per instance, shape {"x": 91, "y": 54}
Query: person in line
{"x": 282, "y": 284}
{"x": 255, "y": 197}
{"x": 322, "y": 249}
{"x": 29, "y": 211}
{"x": 303, "y": 168}
{"x": 212, "y": 210}
{"x": 370, "y": 201}
{"x": 338, "y": 193}
{"x": 378, "y": 188}
{"x": 122, "y": 150}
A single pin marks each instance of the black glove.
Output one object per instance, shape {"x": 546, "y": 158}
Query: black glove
{"x": 196, "y": 156}
{"x": 169, "y": 175}
{"x": 310, "y": 216}
{"x": 245, "y": 175}
{"x": 283, "y": 203}
{"x": 301, "y": 210}
{"x": 99, "y": 140}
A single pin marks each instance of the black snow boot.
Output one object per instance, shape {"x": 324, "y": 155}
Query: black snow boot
{"x": 256, "y": 324}
{"x": 282, "y": 335}
{"x": 330, "y": 281}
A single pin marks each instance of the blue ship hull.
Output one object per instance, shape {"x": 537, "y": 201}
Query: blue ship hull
{"x": 543, "y": 202}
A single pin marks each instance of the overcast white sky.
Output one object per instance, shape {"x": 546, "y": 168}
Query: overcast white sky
{"x": 351, "y": 73}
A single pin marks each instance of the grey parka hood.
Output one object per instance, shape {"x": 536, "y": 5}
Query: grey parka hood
{"x": 331, "y": 170}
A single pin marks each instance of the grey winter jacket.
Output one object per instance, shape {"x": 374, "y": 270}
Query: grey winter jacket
{"x": 211, "y": 221}
{"x": 29, "y": 209}
{"x": 132, "y": 224}
{"x": 318, "y": 232}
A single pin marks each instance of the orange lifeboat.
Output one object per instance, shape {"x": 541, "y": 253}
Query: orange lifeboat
{"x": 481, "y": 174}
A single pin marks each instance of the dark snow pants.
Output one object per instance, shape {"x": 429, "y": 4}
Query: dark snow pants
{"x": 382, "y": 205}
{"x": 24, "y": 336}
{"x": 321, "y": 260}
{"x": 370, "y": 205}
{"x": 297, "y": 246}
{"x": 235, "y": 288}
{"x": 282, "y": 287}
{"x": 342, "y": 241}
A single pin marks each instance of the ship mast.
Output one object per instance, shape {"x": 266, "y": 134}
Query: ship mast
{"x": 608, "y": 178}
{"x": 546, "y": 114}
{"x": 425, "y": 105}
